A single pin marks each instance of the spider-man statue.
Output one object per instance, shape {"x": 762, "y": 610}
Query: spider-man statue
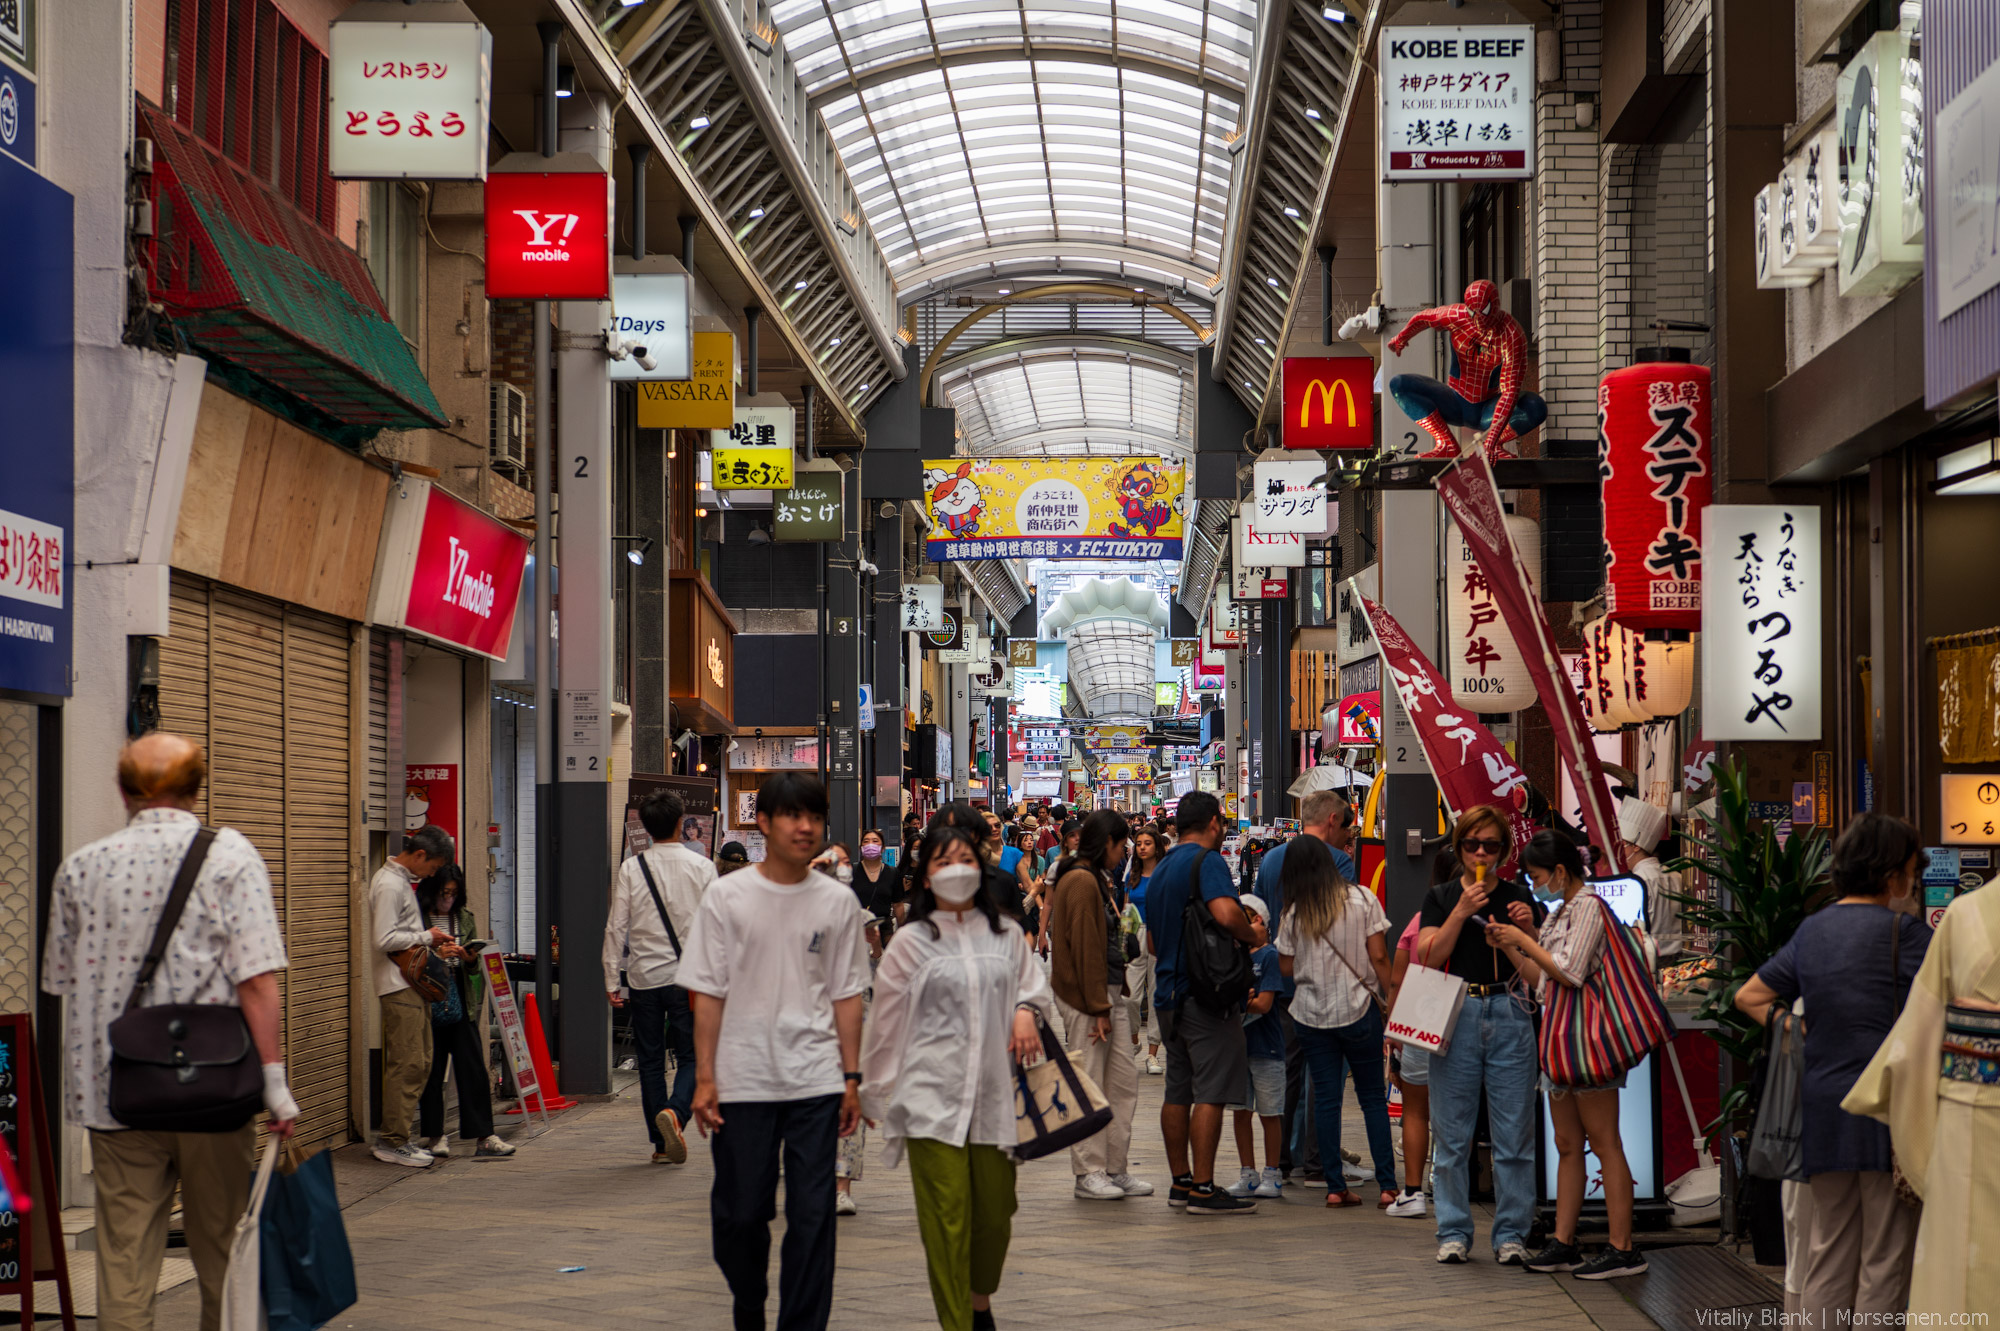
{"x": 1488, "y": 355}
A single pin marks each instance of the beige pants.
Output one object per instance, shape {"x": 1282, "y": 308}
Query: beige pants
{"x": 1859, "y": 1256}
{"x": 1109, "y": 1064}
{"x": 135, "y": 1173}
{"x": 406, "y": 1061}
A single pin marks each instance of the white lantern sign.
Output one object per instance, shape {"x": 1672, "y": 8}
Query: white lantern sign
{"x": 923, "y": 607}
{"x": 1289, "y": 495}
{"x": 1761, "y": 622}
{"x": 409, "y": 89}
{"x": 1486, "y": 668}
{"x": 1868, "y": 117}
{"x": 1808, "y": 221}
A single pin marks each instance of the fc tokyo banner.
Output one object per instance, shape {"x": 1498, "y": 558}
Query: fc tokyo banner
{"x": 1060, "y": 508}
{"x": 1471, "y": 767}
{"x": 1473, "y": 499}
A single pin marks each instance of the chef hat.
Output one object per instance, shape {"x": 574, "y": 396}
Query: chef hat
{"x": 1256, "y": 906}
{"x": 1641, "y": 823}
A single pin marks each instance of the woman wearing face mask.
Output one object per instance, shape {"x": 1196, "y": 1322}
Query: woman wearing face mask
{"x": 1569, "y": 949}
{"x": 879, "y": 885}
{"x": 956, "y": 1000}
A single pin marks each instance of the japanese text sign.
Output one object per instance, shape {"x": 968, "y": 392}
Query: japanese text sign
{"x": 707, "y": 401}
{"x": 756, "y": 427}
{"x": 464, "y": 577}
{"x": 1329, "y": 402}
{"x": 1656, "y": 479}
{"x": 1480, "y": 653}
{"x": 811, "y": 510}
{"x": 1760, "y": 620}
{"x": 1021, "y": 652}
{"x": 1875, "y": 255}
{"x": 1458, "y": 102}
{"x": 753, "y": 468}
{"x": 923, "y": 607}
{"x": 548, "y": 233}
{"x": 32, "y": 560}
{"x": 430, "y": 795}
{"x": 1054, "y": 508}
{"x": 1971, "y": 804}
{"x": 1289, "y": 495}
{"x": 408, "y": 99}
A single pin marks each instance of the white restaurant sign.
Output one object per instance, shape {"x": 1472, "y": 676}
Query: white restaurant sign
{"x": 923, "y": 607}
{"x": 1458, "y": 102}
{"x": 409, "y": 87}
{"x": 1289, "y": 495}
{"x": 1761, "y": 622}
{"x": 1265, "y": 549}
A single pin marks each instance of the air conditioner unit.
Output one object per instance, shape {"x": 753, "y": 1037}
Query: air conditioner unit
{"x": 507, "y": 429}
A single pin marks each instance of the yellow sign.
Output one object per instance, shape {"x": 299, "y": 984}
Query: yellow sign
{"x": 1054, "y": 508}
{"x": 1118, "y": 737}
{"x": 1125, "y": 772}
{"x": 705, "y": 402}
{"x": 753, "y": 469}
{"x": 1021, "y": 652}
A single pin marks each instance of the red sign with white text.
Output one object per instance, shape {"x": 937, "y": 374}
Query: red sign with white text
{"x": 548, "y": 235}
{"x": 1329, "y": 402}
{"x": 467, "y": 577}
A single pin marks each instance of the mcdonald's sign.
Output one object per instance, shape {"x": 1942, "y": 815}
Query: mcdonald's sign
{"x": 1330, "y": 402}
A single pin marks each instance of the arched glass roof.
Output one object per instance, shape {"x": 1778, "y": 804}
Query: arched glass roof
{"x": 1080, "y": 126}
{"x": 1069, "y": 401}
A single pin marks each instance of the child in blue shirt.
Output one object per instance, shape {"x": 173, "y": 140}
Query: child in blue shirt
{"x": 1265, "y": 1044}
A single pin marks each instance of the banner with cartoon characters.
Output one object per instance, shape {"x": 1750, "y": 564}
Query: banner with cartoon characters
{"x": 1063, "y": 508}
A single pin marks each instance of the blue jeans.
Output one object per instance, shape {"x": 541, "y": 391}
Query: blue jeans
{"x": 1328, "y": 1054}
{"x": 1493, "y": 1046}
{"x": 1420, "y": 396}
{"x": 659, "y": 1016}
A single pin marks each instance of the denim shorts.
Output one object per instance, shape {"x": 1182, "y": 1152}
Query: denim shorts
{"x": 1265, "y": 1093}
{"x": 1415, "y": 1064}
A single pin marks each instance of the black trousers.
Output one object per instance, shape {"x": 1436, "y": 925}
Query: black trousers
{"x": 1299, "y": 1122}
{"x": 743, "y": 1202}
{"x": 661, "y": 1017}
{"x": 457, "y": 1044}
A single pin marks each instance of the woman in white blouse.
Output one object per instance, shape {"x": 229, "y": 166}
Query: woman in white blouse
{"x": 955, "y": 1003}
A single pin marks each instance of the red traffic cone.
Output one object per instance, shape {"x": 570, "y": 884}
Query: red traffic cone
{"x": 545, "y": 1074}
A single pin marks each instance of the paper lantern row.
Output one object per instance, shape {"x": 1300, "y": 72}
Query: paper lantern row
{"x": 1629, "y": 680}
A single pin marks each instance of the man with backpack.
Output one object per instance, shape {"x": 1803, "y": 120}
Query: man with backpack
{"x": 653, "y": 900}
{"x": 1201, "y": 937}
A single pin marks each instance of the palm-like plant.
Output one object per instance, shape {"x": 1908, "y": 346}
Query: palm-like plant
{"x": 1764, "y": 888}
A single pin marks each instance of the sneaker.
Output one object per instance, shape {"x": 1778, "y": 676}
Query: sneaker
{"x": 982, "y": 1319}
{"x": 1511, "y": 1253}
{"x": 439, "y": 1147}
{"x": 492, "y": 1148}
{"x": 843, "y": 1203}
{"x": 1212, "y": 1200}
{"x": 676, "y": 1147}
{"x": 1409, "y": 1206}
{"x": 1269, "y": 1184}
{"x": 1352, "y": 1157}
{"x": 1154, "y": 1068}
{"x": 1245, "y": 1184}
{"x": 409, "y": 1155}
{"x": 1177, "y": 1191}
{"x": 1453, "y": 1253}
{"x": 1558, "y": 1256}
{"x": 1096, "y": 1186}
{"x": 1611, "y": 1264}
{"x": 660, "y": 1158}
{"x": 1313, "y": 1178}
{"x": 1132, "y": 1187}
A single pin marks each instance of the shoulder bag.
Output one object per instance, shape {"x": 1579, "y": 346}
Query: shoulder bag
{"x": 1594, "y": 1033}
{"x": 658, "y": 904}
{"x": 182, "y": 1067}
{"x": 1056, "y": 1104}
{"x": 1427, "y": 1005}
{"x": 1215, "y": 965}
{"x": 1381, "y": 1003}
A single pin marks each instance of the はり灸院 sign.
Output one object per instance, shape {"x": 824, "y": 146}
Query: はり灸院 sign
{"x": 447, "y": 571}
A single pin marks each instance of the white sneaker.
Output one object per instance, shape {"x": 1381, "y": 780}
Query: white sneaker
{"x": 1269, "y": 1184}
{"x": 1409, "y": 1206}
{"x": 1096, "y": 1186}
{"x": 1511, "y": 1254}
{"x": 492, "y": 1148}
{"x": 1245, "y": 1184}
{"x": 409, "y": 1155}
{"x": 1453, "y": 1253}
{"x": 843, "y": 1204}
{"x": 1154, "y": 1068}
{"x": 440, "y": 1147}
{"x": 1132, "y": 1187}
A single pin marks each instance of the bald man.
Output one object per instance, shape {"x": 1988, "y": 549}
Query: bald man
{"x": 226, "y": 949}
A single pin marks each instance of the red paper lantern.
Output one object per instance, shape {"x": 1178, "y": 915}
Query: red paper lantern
{"x": 1657, "y": 475}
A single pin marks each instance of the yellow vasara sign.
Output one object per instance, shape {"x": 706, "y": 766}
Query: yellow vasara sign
{"x": 705, "y": 402}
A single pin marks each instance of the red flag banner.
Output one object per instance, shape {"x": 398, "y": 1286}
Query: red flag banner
{"x": 1471, "y": 767}
{"x": 1473, "y": 499}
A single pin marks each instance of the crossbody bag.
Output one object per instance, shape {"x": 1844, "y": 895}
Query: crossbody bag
{"x": 659, "y": 904}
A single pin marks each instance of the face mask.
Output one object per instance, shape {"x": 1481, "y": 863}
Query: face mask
{"x": 955, "y": 884}
{"x": 1547, "y": 891}
{"x": 871, "y": 852}
{"x": 844, "y": 872}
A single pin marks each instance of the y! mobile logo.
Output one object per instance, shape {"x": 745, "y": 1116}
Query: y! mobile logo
{"x": 462, "y": 589}
{"x": 542, "y": 224}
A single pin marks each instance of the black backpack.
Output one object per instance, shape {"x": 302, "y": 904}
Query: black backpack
{"x": 1214, "y": 962}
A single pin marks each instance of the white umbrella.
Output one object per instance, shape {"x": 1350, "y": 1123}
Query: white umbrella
{"x": 1327, "y": 776}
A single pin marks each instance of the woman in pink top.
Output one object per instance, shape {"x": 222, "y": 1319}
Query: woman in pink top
{"x": 1411, "y": 1068}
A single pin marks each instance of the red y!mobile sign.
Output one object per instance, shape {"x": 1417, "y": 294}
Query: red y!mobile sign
{"x": 548, "y": 232}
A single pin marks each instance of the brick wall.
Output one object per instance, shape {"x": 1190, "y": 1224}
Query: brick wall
{"x": 1567, "y": 200}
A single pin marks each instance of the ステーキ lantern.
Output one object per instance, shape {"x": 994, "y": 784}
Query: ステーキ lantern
{"x": 1485, "y": 666}
{"x": 1657, "y": 475}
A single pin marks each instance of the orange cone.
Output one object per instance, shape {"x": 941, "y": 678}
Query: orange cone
{"x": 538, "y": 1049}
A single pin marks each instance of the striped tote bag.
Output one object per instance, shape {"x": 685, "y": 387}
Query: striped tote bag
{"x": 1590, "y": 1035}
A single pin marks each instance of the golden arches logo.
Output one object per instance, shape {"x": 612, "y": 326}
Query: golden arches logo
{"x": 1326, "y": 392}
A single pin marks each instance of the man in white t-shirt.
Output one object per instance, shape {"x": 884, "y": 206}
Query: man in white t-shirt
{"x": 775, "y": 967}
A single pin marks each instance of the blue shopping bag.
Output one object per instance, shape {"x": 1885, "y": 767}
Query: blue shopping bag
{"x": 307, "y": 1267}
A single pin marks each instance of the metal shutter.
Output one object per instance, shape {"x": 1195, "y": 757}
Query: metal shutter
{"x": 184, "y": 667}
{"x": 385, "y": 732}
{"x": 318, "y": 909}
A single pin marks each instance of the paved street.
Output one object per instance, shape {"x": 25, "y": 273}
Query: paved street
{"x": 479, "y": 1244}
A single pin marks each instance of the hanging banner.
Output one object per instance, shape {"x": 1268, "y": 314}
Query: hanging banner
{"x": 1473, "y": 500}
{"x": 1054, "y": 508}
{"x": 705, "y": 402}
{"x": 947, "y": 637}
{"x": 1485, "y": 662}
{"x": 1760, "y": 622}
{"x": 1470, "y": 766}
{"x": 1116, "y": 737}
{"x": 651, "y": 311}
{"x": 408, "y": 91}
{"x": 1329, "y": 403}
{"x": 923, "y": 607}
{"x": 1021, "y": 652}
{"x": 1653, "y": 443}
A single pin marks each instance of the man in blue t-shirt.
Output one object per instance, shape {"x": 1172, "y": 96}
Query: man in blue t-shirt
{"x": 1206, "y": 1060}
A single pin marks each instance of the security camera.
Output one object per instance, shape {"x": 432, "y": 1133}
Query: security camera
{"x": 646, "y": 362}
{"x": 868, "y": 568}
{"x": 614, "y": 346}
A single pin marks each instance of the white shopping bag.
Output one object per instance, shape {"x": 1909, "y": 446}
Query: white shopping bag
{"x": 1426, "y": 1009}
{"x": 242, "y": 1290}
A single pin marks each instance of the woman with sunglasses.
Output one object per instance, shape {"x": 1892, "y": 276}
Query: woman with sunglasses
{"x": 1492, "y": 1049}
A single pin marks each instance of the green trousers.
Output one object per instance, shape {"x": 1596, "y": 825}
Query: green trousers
{"x": 965, "y": 1212}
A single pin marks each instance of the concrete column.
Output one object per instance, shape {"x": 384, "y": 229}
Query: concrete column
{"x": 886, "y": 740}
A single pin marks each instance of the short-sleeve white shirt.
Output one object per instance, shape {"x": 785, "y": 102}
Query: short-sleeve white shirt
{"x": 1328, "y": 994}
